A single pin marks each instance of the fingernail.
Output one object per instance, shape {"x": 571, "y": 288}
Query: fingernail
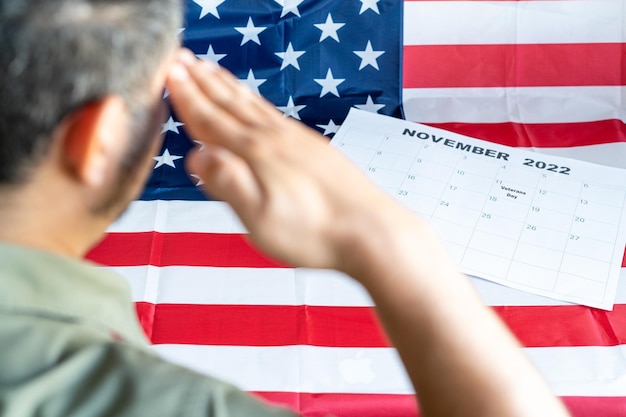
{"x": 178, "y": 72}
{"x": 186, "y": 57}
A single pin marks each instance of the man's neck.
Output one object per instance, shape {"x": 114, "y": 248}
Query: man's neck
{"x": 39, "y": 217}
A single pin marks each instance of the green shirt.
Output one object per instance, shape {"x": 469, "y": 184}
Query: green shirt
{"x": 71, "y": 345}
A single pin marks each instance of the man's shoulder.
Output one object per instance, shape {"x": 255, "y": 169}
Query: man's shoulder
{"x": 53, "y": 373}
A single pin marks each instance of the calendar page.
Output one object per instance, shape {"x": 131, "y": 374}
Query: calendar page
{"x": 543, "y": 224}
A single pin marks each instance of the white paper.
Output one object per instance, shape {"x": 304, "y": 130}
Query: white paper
{"x": 547, "y": 225}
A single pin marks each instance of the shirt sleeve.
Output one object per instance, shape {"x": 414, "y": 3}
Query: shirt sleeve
{"x": 164, "y": 389}
{"x": 113, "y": 379}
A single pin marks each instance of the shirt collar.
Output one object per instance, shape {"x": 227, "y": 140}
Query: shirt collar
{"x": 44, "y": 283}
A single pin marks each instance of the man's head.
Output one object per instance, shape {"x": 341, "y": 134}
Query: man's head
{"x": 72, "y": 69}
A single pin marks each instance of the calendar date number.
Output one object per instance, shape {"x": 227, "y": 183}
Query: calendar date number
{"x": 548, "y": 167}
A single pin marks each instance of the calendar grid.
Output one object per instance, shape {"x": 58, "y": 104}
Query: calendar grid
{"x": 539, "y": 223}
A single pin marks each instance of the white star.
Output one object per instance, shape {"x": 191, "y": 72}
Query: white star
{"x": 289, "y": 6}
{"x": 330, "y": 128}
{"x": 166, "y": 94}
{"x": 329, "y": 28}
{"x": 180, "y": 30}
{"x": 291, "y": 109}
{"x": 290, "y": 57}
{"x": 369, "y": 4}
{"x": 250, "y": 32}
{"x": 199, "y": 181}
{"x": 252, "y": 82}
{"x": 329, "y": 84}
{"x": 171, "y": 126}
{"x": 369, "y": 56}
{"x": 211, "y": 55}
{"x": 209, "y": 6}
{"x": 166, "y": 159}
{"x": 370, "y": 106}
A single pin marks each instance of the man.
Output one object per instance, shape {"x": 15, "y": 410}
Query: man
{"x": 80, "y": 109}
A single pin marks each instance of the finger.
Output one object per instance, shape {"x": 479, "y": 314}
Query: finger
{"x": 204, "y": 120}
{"x": 228, "y": 178}
{"x": 229, "y": 93}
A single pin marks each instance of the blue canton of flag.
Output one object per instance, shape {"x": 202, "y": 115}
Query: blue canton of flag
{"x": 313, "y": 59}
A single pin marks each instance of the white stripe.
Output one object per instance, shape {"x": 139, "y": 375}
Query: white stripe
{"x": 578, "y": 371}
{"x": 512, "y": 104}
{"x": 178, "y": 216}
{"x": 535, "y": 22}
{"x": 249, "y": 286}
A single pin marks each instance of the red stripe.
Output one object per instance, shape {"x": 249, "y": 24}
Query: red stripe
{"x": 179, "y": 249}
{"x": 548, "y": 135}
{"x": 514, "y": 65}
{"x": 394, "y": 405}
{"x": 252, "y": 325}
{"x": 596, "y": 406}
{"x": 183, "y": 249}
{"x": 344, "y": 405}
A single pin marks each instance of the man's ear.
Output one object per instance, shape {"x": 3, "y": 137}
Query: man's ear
{"x": 91, "y": 135}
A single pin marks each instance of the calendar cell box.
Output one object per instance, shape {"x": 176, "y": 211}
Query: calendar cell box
{"x": 442, "y": 155}
{"x": 585, "y": 267}
{"x": 456, "y": 214}
{"x": 538, "y": 256}
{"x": 358, "y": 155}
{"x": 392, "y": 162}
{"x": 432, "y": 170}
{"x": 386, "y": 178}
{"x": 549, "y": 219}
{"x": 365, "y": 139}
{"x": 598, "y": 250}
{"x": 401, "y": 146}
{"x": 423, "y": 205}
{"x": 471, "y": 181}
{"x": 555, "y": 202}
{"x": 500, "y": 226}
{"x": 509, "y": 191}
{"x": 607, "y": 195}
{"x": 560, "y": 185}
{"x": 487, "y": 169}
{"x": 498, "y": 245}
{"x": 463, "y": 197}
{"x": 456, "y": 251}
{"x": 474, "y": 262}
{"x": 518, "y": 176}
{"x": 532, "y": 276}
{"x": 580, "y": 288}
{"x": 427, "y": 186}
{"x": 507, "y": 209}
{"x": 544, "y": 238}
{"x": 605, "y": 213}
{"x": 594, "y": 229}
{"x": 452, "y": 232}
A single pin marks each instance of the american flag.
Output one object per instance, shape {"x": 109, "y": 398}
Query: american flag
{"x": 546, "y": 75}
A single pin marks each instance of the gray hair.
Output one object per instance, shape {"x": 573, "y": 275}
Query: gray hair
{"x": 58, "y": 55}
